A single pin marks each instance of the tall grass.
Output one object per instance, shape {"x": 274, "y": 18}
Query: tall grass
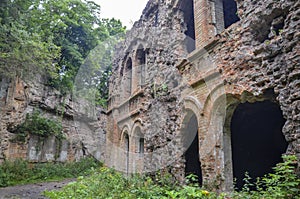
{"x": 22, "y": 172}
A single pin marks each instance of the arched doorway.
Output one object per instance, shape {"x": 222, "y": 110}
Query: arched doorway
{"x": 126, "y": 150}
{"x": 256, "y": 139}
{"x": 191, "y": 155}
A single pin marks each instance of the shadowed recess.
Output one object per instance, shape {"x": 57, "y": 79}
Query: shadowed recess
{"x": 230, "y": 12}
{"x": 257, "y": 139}
{"x": 192, "y": 162}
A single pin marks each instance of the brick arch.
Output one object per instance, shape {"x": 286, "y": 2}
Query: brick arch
{"x": 136, "y": 136}
{"x": 124, "y": 152}
{"x": 189, "y": 134}
{"x": 219, "y": 126}
{"x": 219, "y": 94}
{"x": 137, "y": 123}
{"x": 126, "y": 128}
{"x": 192, "y": 104}
{"x": 212, "y": 133}
{"x": 191, "y": 107}
{"x": 138, "y": 146}
{"x": 219, "y": 109}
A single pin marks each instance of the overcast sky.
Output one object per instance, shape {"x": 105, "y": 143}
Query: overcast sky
{"x": 127, "y": 11}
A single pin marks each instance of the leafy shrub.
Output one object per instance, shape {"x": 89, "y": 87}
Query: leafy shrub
{"x": 21, "y": 171}
{"x": 35, "y": 124}
{"x": 107, "y": 183}
{"x": 13, "y": 171}
{"x": 282, "y": 184}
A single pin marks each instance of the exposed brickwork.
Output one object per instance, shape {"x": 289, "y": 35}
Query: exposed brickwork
{"x": 246, "y": 62}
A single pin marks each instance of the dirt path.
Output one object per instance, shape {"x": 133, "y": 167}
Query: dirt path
{"x": 31, "y": 191}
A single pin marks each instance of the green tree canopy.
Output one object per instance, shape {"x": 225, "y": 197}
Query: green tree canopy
{"x": 56, "y": 35}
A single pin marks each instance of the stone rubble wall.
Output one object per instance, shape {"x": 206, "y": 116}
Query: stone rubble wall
{"x": 84, "y": 130}
{"x": 255, "y": 59}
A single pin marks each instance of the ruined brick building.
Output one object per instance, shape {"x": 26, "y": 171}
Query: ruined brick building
{"x": 209, "y": 87}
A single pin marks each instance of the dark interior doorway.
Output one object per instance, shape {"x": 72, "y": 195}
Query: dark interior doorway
{"x": 230, "y": 12}
{"x": 256, "y": 139}
{"x": 187, "y": 6}
{"x": 192, "y": 162}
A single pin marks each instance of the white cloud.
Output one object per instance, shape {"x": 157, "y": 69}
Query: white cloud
{"x": 127, "y": 11}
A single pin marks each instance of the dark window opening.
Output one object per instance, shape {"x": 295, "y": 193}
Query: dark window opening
{"x": 126, "y": 142}
{"x": 129, "y": 65}
{"x": 121, "y": 71}
{"x": 230, "y": 13}
{"x": 192, "y": 162}
{"x": 141, "y": 146}
{"x": 128, "y": 84}
{"x": 126, "y": 147}
{"x": 141, "y": 56}
{"x": 141, "y": 63}
{"x": 256, "y": 139}
{"x": 156, "y": 19}
{"x": 187, "y": 6}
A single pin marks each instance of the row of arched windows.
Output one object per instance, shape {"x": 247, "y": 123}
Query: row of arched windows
{"x": 133, "y": 72}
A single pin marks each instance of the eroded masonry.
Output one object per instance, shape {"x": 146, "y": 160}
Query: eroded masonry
{"x": 204, "y": 87}
{"x": 209, "y": 87}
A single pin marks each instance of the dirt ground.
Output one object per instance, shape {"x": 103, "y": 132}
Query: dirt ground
{"x": 31, "y": 191}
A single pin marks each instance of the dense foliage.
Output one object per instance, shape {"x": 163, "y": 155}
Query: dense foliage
{"x": 54, "y": 38}
{"x": 23, "y": 50}
{"x": 35, "y": 124}
{"x": 22, "y": 172}
{"x": 107, "y": 183}
{"x": 282, "y": 184}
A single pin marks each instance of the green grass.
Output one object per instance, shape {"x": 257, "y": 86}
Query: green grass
{"x": 22, "y": 172}
{"x": 107, "y": 183}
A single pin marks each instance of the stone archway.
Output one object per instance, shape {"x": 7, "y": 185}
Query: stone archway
{"x": 257, "y": 141}
{"x": 124, "y": 156}
{"x": 138, "y": 146}
{"x": 190, "y": 137}
{"x": 191, "y": 155}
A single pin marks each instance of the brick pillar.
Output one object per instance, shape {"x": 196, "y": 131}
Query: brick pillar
{"x": 204, "y": 28}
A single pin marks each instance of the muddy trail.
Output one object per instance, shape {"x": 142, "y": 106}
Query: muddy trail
{"x": 31, "y": 191}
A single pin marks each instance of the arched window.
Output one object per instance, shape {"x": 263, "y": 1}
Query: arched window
{"x": 141, "y": 64}
{"x": 128, "y": 81}
{"x": 127, "y": 152}
{"x": 140, "y": 141}
{"x": 141, "y": 146}
{"x": 126, "y": 142}
{"x": 190, "y": 143}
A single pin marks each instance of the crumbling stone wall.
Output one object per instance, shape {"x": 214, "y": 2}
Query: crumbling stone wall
{"x": 84, "y": 132}
{"x": 254, "y": 59}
